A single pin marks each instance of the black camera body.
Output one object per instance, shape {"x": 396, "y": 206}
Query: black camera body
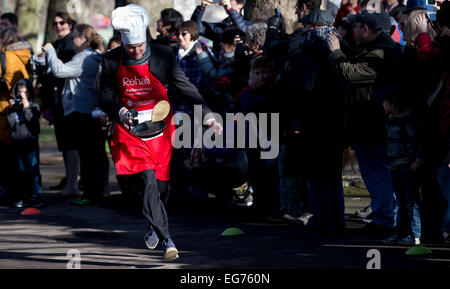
{"x": 18, "y": 103}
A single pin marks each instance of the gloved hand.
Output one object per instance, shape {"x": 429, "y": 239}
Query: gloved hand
{"x": 275, "y": 21}
{"x": 128, "y": 116}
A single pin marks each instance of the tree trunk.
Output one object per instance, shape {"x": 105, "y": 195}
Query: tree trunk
{"x": 32, "y": 17}
{"x": 263, "y": 9}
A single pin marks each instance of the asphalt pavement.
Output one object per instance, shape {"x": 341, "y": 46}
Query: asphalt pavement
{"x": 110, "y": 235}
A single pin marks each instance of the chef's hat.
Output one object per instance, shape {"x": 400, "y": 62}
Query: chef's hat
{"x": 132, "y": 21}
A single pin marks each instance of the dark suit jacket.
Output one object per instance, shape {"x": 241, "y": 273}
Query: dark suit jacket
{"x": 162, "y": 65}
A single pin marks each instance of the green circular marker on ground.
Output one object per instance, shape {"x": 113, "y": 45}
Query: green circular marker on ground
{"x": 232, "y": 232}
{"x": 418, "y": 250}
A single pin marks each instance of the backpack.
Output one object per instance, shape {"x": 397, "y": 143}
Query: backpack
{"x": 3, "y": 85}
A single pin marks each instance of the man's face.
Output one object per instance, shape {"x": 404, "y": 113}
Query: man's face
{"x": 236, "y": 6}
{"x": 161, "y": 28}
{"x": 62, "y": 28}
{"x": 359, "y": 32}
{"x": 5, "y": 23}
{"x": 300, "y": 10}
{"x": 135, "y": 51}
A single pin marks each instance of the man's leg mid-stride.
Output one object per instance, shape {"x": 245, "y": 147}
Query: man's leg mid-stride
{"x": 155, "y": 213}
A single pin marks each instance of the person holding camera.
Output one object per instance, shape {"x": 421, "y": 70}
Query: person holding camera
{"x": 15, "y": 54}
{"x": 23, "y": 119}
{"x": 214, "y": 30}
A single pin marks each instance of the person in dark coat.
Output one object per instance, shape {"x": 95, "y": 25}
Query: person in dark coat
{"x": 51, "y": 90}
{"x": 213, "y": 31}
{"x": 367, "y": 75}
{"x": 314, "y": 134}
{"x": 167, "y": 26}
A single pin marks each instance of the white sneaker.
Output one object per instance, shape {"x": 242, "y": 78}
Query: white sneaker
{"x": 409, "y": 241}
{"x": 305, "y": 218}
{"x": 364, "y": 212}
{"x": 368, "y": 219}
{"x": 288, "y": 217}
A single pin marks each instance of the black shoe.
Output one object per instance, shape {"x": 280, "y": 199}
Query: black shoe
{"x": 80, "y": 184}
{"x": 60, "y": 186}
{"x": 36, "y": 202}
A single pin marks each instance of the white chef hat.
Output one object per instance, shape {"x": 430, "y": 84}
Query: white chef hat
{"x": 132, "y": 21}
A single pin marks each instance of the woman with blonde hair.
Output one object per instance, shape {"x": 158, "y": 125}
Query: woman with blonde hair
{"x": 79, "y": 99}
{"x": 411, "y": 30}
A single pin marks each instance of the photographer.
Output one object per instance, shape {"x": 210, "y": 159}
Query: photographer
{"x": 23, "y": 118}
{"x": 214, "y": 30}
{"x": 79, "y": 98}
{"x": 221, "y": 70}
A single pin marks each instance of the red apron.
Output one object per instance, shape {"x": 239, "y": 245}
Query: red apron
{"x": 140, "y": 90}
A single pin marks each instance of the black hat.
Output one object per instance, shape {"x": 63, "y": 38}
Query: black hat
{"x": 371, "y": 19}
{"x": 319, "y": 18}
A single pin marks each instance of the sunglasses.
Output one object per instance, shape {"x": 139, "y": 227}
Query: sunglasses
{"x": 59, "y": 22}
{"x": 183, "y": 33}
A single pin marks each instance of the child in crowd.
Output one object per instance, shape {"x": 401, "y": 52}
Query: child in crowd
{"x": 258, "y": 98}
{"x": 23, "y": 118}
{"x": 405, "y": 155}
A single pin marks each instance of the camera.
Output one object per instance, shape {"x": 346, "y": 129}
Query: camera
{"x": 18, "y": 104}
{"x": 431, "y": 2}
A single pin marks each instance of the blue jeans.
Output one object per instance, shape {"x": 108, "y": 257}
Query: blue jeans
{"x": 444, "y": 182}
{"x": 407, "y": 190}
{"x": 27, "y": 164}
{"x": 378, "y": 179}
{"x": 290, "y": 201}
{"x": 326, "y": 199}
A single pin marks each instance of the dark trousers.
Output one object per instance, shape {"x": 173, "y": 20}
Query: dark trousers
{"x": 153, "y": 193}
{"x": 27, "y": 170}
{"x": 326, "y": 198}
{"x": 90, "y": 143}
{"x": 263, "y": 175}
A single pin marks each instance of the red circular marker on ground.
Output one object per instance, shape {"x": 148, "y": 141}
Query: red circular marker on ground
{"x": 30, "y": 211}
